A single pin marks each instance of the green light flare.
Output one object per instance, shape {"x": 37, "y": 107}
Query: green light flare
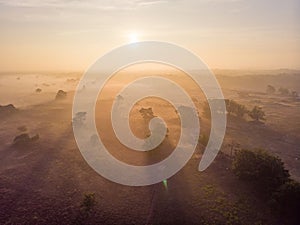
{"x": 165, "y": 183}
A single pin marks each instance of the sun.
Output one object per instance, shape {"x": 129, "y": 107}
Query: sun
{"x": 133, "y": 37}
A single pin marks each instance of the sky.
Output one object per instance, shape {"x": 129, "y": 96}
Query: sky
{"x": 69, "y": 35}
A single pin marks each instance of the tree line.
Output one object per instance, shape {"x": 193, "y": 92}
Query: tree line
{"x": 238, "y": 110}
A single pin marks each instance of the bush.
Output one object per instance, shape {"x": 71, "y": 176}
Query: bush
{"x": 267, "y": 172}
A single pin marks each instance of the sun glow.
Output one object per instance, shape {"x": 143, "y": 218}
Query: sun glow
{"x": 133, "y": 37}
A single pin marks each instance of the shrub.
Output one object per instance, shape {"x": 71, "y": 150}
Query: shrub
{"x": 267, "y": 172}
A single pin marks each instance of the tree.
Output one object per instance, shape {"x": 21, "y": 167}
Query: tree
{"x": 270, "y": 89}
{"x": 147, "y": 113}
{"x": 228, "y": 106}
{"x": 286, "y": 201}
{"x": 61, "y": 95}
{"x": 79, "y": 119}
{"x": 257, "y": 113}
{"x": 284, "y": 91}
{"x": 294, "y": 94}
{"x": 234, "y": 146}
{"x": 235, "y": 108}
{"x": 241, "y": 110}
{"x": 265, "y": 171}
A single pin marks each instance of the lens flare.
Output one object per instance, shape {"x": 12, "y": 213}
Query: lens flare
{"x": 165, "y": 183}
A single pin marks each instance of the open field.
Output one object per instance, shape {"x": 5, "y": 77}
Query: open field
{"x": 43, "y": 182}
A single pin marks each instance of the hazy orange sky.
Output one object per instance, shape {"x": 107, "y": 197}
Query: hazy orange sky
{"x": 69, "y": 35}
